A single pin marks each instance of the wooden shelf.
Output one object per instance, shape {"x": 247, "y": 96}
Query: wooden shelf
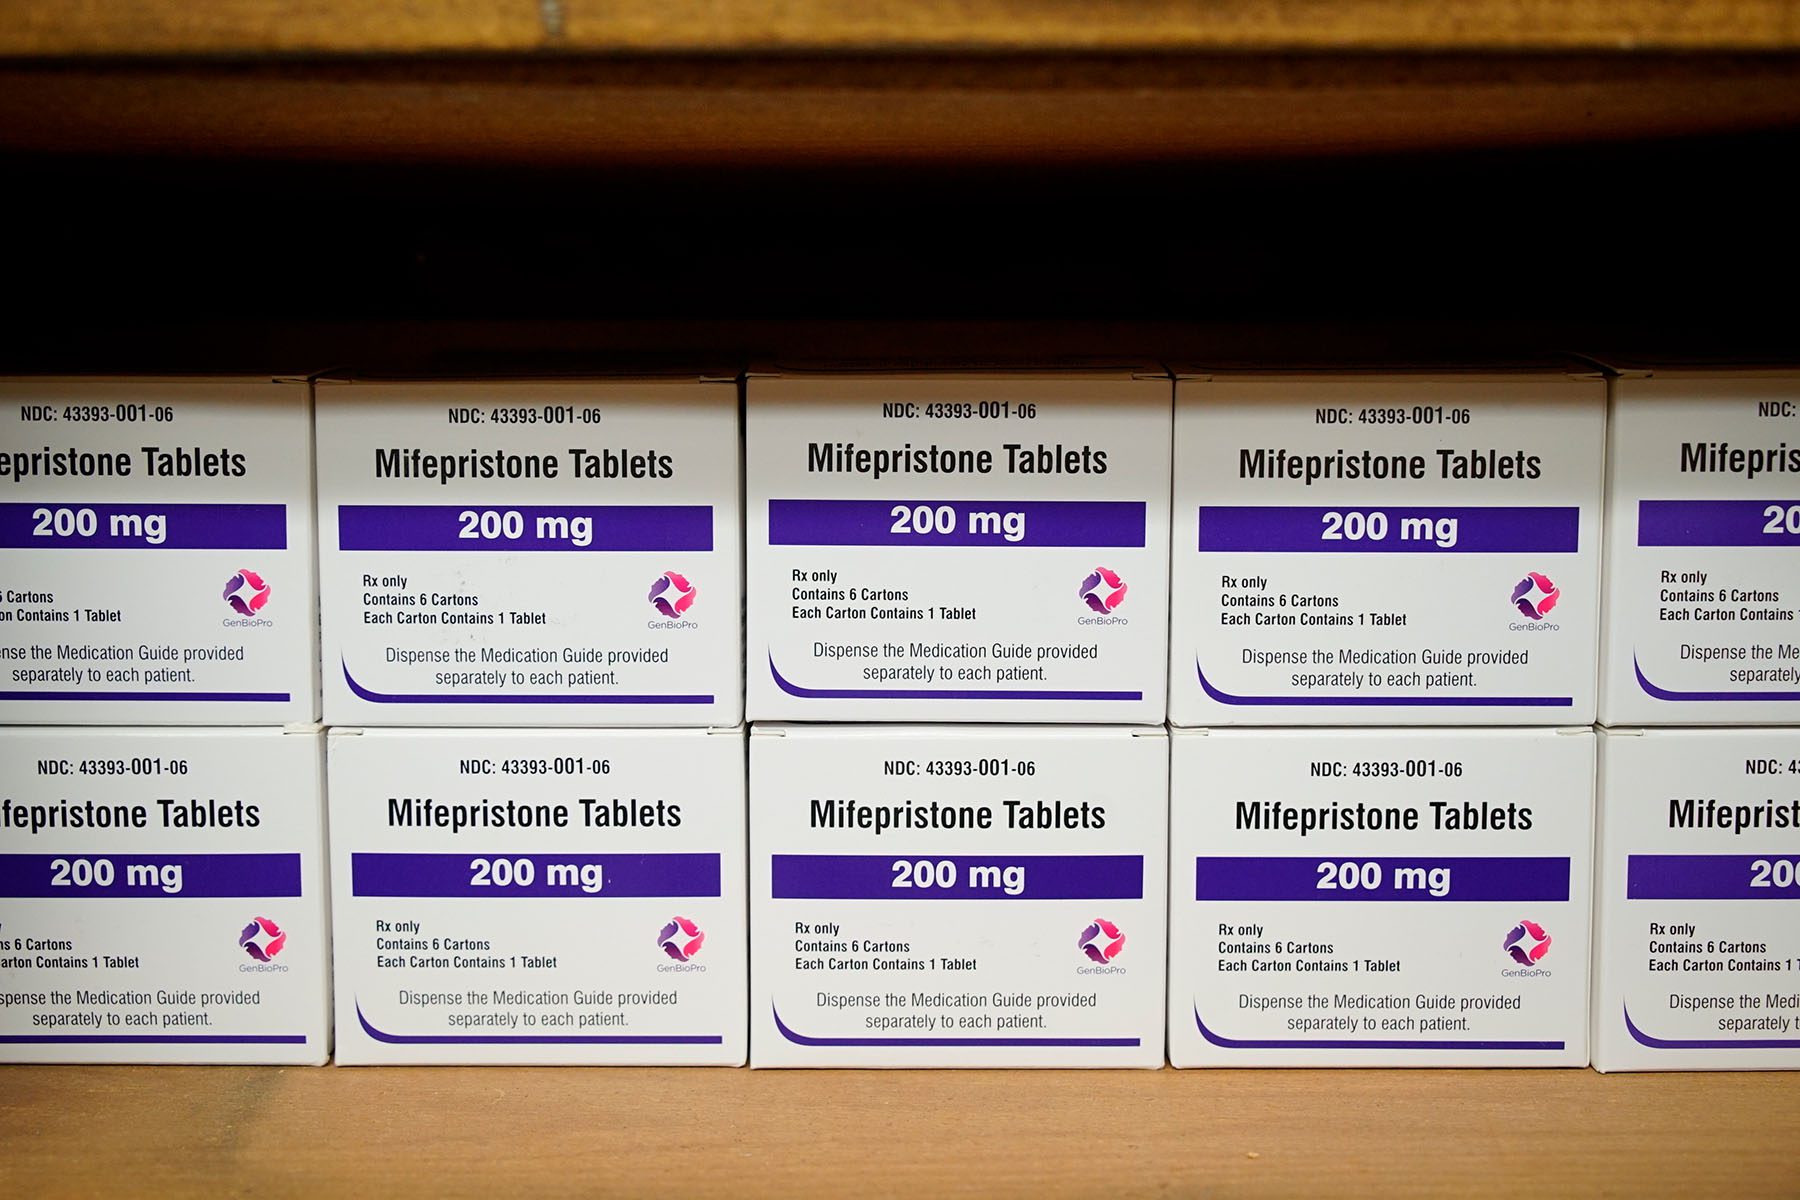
{"x": 255, "y": 27}
{"x": 732, "y": 113}
{"x": 504, "y": 1131}
{"x": 724, "y": 83}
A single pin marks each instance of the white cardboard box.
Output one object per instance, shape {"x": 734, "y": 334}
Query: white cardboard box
{"x": 1697, "y": 900}
{"x": 957, "y": 896}
{"x": 539, "y": 896}
{"x": 1367, "y": 898}
{"x": 163, "y": 896}
{"x": 1390, "y": 550}
{"x": 156, "y": 543}
{"x": 1703, "y": 551}
{"x": 549, "y": 553}
{"x": 957, "y": 547}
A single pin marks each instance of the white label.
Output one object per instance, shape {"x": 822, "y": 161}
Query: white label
{"x": 539, "y": 896}
{"x": 958, "y": 549}
{"x": 1697, "y": 957}
{"x": 504, "y": 554}
{"x": 1378, "y": 898}
{"x": 957, "y": 898}
{"x": 156, "y": 543}
{"x": 164, "y": 897}
{"x": 1703, "y": 576}
{"x": 1392, "y": 551}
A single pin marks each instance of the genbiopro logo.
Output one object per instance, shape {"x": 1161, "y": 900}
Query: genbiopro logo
{"x": 246, "y": 592}
{"x": 1103, "y": 590}
{"x": 1535, "y": 595}
{"x": 681, "y": 939}
{"x": 262, "y": 939}
{"x": 1101, "y": 941}
{"x": 672, "y": 594}
{"x": 1527, "y": 943}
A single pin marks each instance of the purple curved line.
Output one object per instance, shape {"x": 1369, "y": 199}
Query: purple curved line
{"x": 801, "y": 1039}
{"x": 194, "y": 697}
{"x": 1656, "y": 1043}
{"x": 1387, "y": 701}
{"x": 373, "y": 697}
{"x": 1658, "y": 693}
{"x": 153, "y": 1039}
{"x": 1358, "y": 1044}
{"x": 806, "y": 693}
{"x": 507, "y": 1039}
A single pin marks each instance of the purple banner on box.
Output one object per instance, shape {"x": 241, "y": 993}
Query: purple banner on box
{"x": 1712, "y": 877}
{"x": 508, "y": 876}
{"x": 1342, "y": 878}
{"x": 530, "y": 527}
{"x": 1095, "y": 523}
{"x": 1718, "y": 523}
{"x": 1283, "y": 529}
{"x": 75, "y": 526}
{"x": 148, "y": 876}
{"x": 956, "y": 877}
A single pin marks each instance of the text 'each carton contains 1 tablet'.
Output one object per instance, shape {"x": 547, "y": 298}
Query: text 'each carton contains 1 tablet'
{"x": 1365, "y": 898}
{"x": 957, "y": 896}
{"x": 164, "y": 896}
{"x": 1703, "y": 551}
{"x": 1697, "y": 900}
{"x": 539, "y": 896}
{"x": 957, "y": 548}
{"x": 156, "y": 543}
{"x": 505, "y": 553}
{"x": 1386, "y": 550}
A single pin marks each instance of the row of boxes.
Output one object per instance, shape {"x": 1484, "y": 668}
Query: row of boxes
{"x": 1346, "y": 550}
{"x": 903, "y": 896}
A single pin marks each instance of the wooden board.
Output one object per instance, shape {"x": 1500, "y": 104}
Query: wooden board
{"x": 138, "y": 27}
{"x": 675, "y": 112}
{"x": 399, "y": 1132}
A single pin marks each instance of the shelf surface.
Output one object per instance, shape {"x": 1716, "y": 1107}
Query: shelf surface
{"x": 137, "y": 27}
{"x": 485, "y": 1131}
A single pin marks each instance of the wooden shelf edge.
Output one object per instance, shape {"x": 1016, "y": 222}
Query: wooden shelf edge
{"x": 708, "y": 1132}
{"x": 327, "y": 27}
{"x": 890, "y": 111}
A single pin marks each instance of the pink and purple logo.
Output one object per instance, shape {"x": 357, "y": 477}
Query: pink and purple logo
{"x": 1101, "y": 941}
{"x": 672, "y": 594}
{"x": 1103, "y": 590}
{"x": 246, "y": 592}
{"x": 1535, "y": 596}
{"x": 1527, "y": 943}
{"x": 681, "y": 939}
{"x": 262, "y": 939}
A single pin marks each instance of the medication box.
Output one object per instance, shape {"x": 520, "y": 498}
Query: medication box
{"x": 973, "y": 896}
{"x": 156, "y": 541}
{"x": 1703, "y": 552}
{"x": 1697, "y": 926}
{"x": 164, "y": 896}
{"x": 1386, "y": 550}
{"x": 530, "y": 553}
{"x": 539, "y": 896}
{"x": 1369, "y": 898}
{"x": 958, "y": 548}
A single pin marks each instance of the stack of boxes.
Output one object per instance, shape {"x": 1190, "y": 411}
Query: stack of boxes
{"x": 162, "y": 863}
{"x": 563, "y": 557}
{"x": 1697, "y": 882}
{"x": 952, "y": 552}
{"x": 1414, "y": 562}
{"x": 954, "y": 606}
